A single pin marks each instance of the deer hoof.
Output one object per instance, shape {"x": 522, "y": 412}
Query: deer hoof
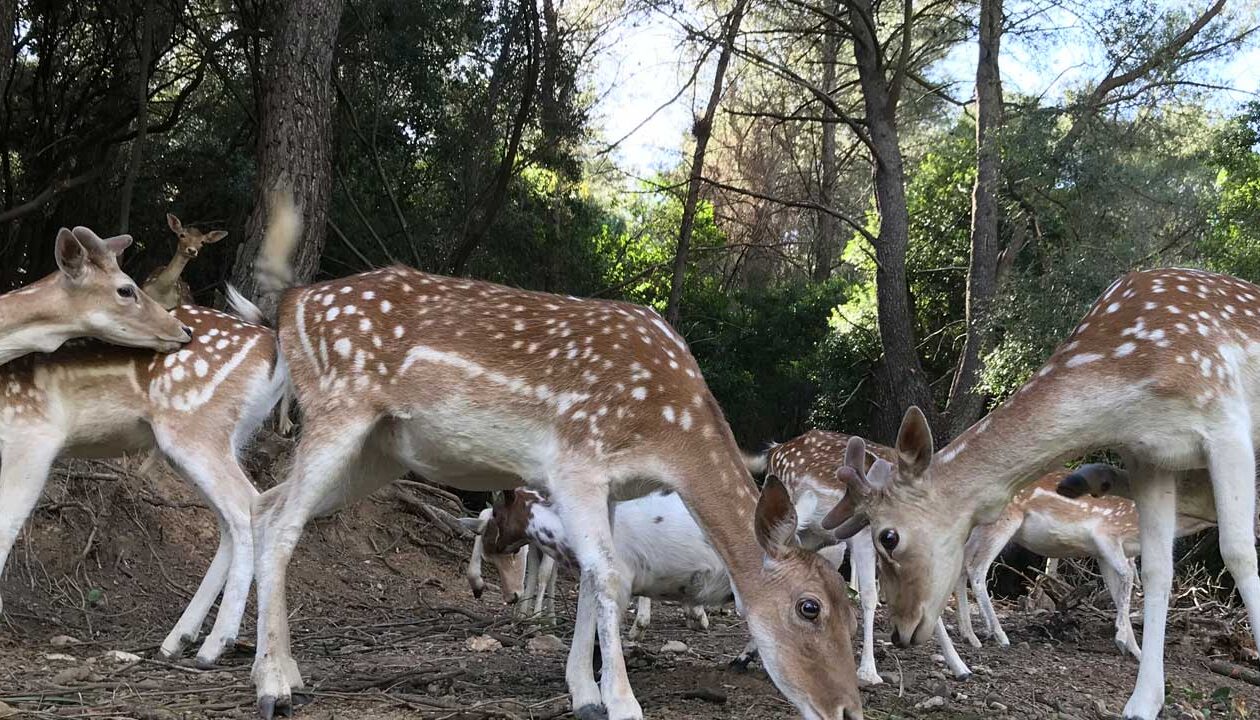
{"x": 591, "y": 712}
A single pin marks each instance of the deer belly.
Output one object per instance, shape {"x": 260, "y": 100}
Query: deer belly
{"x": 466, "y": 450}
{"x": 1051, "y": 537}
{"x": 106, "y": 440}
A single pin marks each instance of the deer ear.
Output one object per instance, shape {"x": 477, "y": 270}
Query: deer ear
{"x": 174, "y": 224}
{"x": 71, "y": 255}
{"x": 914, "y": 444}
{"x": 775, "y": 523}
{"x": 117, "y": 244}
{"x": 215, "y": 236}
{"x": 471, "y": 524}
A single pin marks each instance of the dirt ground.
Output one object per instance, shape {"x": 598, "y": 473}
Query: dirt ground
{"x": 382, "y": 619}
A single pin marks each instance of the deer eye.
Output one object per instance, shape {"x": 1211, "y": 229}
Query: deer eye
{"x": 126, "y": 291}
{"x": 808, "y": 608}
{"x": 889, "y": 539}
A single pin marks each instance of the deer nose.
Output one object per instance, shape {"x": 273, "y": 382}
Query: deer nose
{"x": 898, "y": 640}
{"x": 852, "y": 714}
{"x": 187, "y": 330}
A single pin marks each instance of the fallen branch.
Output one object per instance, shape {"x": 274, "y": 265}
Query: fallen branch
{"x": 1234, "y": 672}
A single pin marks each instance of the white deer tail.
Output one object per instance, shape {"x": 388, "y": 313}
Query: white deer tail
{"x": 243, "y": 308}
{"x": 274, "y": 269}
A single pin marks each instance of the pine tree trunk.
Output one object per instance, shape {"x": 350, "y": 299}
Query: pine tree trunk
{"x": 965, "y": 404}
{"x": 136, "y": 154}
{"x": 827, "y": 240}
{"x": 295, "y": 137}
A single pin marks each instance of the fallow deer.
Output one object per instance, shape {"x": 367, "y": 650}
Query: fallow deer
{"x": 164, "y": 284}
{"x": 481, "y": 387}
{"x": 1053, "y": 526}
{"x": 88, "y": 296}
{"x": 1164, "y": 369}
{"x": 511, "y": 566}
{"x": 199, "y": 405}
{"x": 809, "y": 466}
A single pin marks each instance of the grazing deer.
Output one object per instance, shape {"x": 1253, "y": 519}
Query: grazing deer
{"x": 88, "y": 296}
{"x": 1054, "y": 526}
{"x": 809, "y": 466}
{"x": 482, "y": 387}
{"x": 164, "y": 283}
{"x": 1165, "y": 369}
{"x": 200, "y": 406}
{"x": 511, "y": 566}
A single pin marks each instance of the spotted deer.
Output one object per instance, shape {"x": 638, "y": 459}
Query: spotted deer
{"x": 164, "y": 284}
{"x": 481, "y": 387}
{"x": 199, "y": 405}
{"x": 809, "y": 466}
{"x": 89, "y": 296}
{"x": 1165, "y": 370}
{"x": 1054, "y": 526}
{"x": 511, "y": 566}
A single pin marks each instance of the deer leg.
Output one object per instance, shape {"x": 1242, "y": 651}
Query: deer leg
{"x": 472, "y": 573}
{"x": 330, "y": 455}
{"x": 952, "y": 660}
{"x": 988, "y": 543}
{"x": 642, "y": 618}
{"x": 1156, "y": 497}
{"x": 545, "y": 592}
{"x": 1116, "y": 573}
{"x": 189, "y": 624}
{"x": 862, "y": 562}
{"x": 579, "y": 671}
{"x": 1233, "y": 467}
{"x": 585, "y": 512}
{"x": 525, "y": 601}
{"x": 964, "y": 611}
{"x": 697, "y": 618}
{"x": 745, "y": 658}
{"x": 23, "y": 474}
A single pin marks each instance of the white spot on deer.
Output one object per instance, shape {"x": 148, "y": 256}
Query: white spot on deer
{"x": 369, "y": 295}
{"x": 1205, "y": 366}
{"x": 201, "y": 367}
{"x": 1124, "y": 349}
{"x": 325, "y": 300}
{"x": 333, "y": 313}
{"x": 350, "y": 310}
{"x": 345, "y": 289}
{"x": 169, "y": 361}
{"x": 638, "y": 393}
{"x": 386, "y": 306}
{"x": 398, "y": 331}
{"x": 1113, "y": 307}
{"x": 342, "y": 347}
{"x": 668, "y": 413}
{"x": 1083, "y": 358}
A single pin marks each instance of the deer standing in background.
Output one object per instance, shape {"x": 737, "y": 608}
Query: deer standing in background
{"x": 1054, "y": 526}
{"x": 199, "y": 406}
{"x": 88, "y": 296}
{"x": 511, "y": 566}
{"x": 481, "y": 387}
{"x": 164, "y": 283}
{"x": 809, "y": 466}
{"x": 1165, "y": 370}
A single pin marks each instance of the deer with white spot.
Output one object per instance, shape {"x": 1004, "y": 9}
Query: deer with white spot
{"x": 199, "y": 406}
{"x": 511, "y": 566}
{"x": 810, "y": 467}
{"x": 1053, "y": 526}
{"x": 164, "y": 284}
{"x": 481, "y": 387}
{"x": 88, "y": 296}
{"x": 1165, "y": 370}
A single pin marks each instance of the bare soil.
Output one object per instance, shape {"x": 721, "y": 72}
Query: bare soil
{"x": 382, "y": 619}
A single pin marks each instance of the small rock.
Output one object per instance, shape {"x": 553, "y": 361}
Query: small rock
{"x": 484, "y": 643}
{"x": 7, "y": 710}
{"x": 545, "y": 645}
{"x": 1023, "y": 646}
{"x": 674, "y": 646}
{"x": 938, "y": 658}
{"x": 891, "y": 678}
{"x": 981, "y": 669}
{"x": 60, "y": 657}
{"x": 121, "y": 657}
{"x": 62, "y": 641}
{"x": 933, "y": 702}
{"x": 937, "y": 674}
{"x": 995, "y": 705}
{"x": 72, "y": 675}
{"x": 149, "y": 684}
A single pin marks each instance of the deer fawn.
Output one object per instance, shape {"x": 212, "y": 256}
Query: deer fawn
{"x": 809, "y": 466}
{"x": 480, "y": 387}
{"x": 200, "y": 406}
{"x": 1165, "y": 369}
{"x": 164, "y": 283}
{"x": 88, "y": 296}
{"x": 1054, "y": 526}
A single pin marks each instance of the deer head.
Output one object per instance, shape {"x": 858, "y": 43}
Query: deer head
{"x": 190, "y": 238}
{"x": 103, "y": 302}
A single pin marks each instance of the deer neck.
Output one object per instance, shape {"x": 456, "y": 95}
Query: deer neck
{"x": 1033, "y": 432}
{"x": 29, "y": 321}
{"x": 168, "y": 276}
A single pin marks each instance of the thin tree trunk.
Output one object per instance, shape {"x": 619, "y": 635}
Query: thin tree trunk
{"x": 142, "y": 120}
{"x": 295, "y": 137}
{"x": 825, "y": 244}
{"x": 900, "y": 377}
{"x": 702, "y": 130}
{"x": 965, "y": 404}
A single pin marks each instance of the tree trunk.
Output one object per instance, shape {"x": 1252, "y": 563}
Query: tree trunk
{"x": 825, "y": 244}
{"x": 901, "y": 379}
{"x": 295, "y": 137}
{"x": 702, "y": 130}
{"x": 136, "y": 154}
{"x": 965, "y": 404}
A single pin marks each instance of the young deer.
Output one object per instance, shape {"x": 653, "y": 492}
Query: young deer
{"x": 809, "y": 466}
{"x": 1054, "y": 526}
{"x": 511, "y": 566}
{"x": 1165, "y": 369}
{"x": 88, "y": 296}
{"x": 483, "y": 387}
{"x": 164, "y": 283}
{"x": 200, "y": 406}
